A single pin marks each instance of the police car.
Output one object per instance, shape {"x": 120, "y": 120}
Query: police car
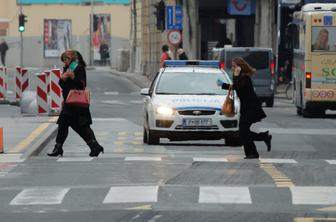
{"x": 184, "y": 103}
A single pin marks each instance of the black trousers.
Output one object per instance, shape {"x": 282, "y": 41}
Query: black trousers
{"x": 83, "y": 131}
{"x": 248, "y": 137}
{"x": 3, "y": 59}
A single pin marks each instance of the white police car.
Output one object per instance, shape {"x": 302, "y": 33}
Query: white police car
{"x": 184, "y": 103}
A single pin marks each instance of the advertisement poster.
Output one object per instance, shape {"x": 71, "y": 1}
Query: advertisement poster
{"x": 57, "y": 37}
{"x": 101, "y": 34}
{"x": 324, "y": 38}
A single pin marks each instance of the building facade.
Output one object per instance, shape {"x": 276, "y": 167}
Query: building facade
{"x": 53, "y": 26}
{"x": 205, "y": 25}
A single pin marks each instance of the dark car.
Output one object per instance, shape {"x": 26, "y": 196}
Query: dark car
{"x": 259, "y": 58}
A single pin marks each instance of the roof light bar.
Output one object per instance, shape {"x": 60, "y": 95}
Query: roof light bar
{"x": 203, "y": 63}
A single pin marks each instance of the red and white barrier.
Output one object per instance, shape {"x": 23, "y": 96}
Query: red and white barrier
{"x": 55, "y": 91}
{"x": 41, "y": 93}
{"x": 24, "y": 79}
{"x": 18, "y": 80}
{"x": 3, "y": 84}
{"x": 48, "y": 80}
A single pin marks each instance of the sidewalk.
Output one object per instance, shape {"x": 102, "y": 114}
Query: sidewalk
{"x": 24, "y": 136}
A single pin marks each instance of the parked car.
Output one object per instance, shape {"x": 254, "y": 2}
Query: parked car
{"x": 264, "y": 79}
{"x": 184, "y": 103}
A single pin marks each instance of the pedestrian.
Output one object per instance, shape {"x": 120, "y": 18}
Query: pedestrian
{"x": 3, "y": 51}
{"x": 104, "y": 53}
{"x": 250, "y": 110}
{"x": 164, "y": 55}
{"x": 78, "y": 118}
{"x": 181, "y": 54}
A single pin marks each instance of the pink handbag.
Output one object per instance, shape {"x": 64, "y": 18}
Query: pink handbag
{"x": 80, "y": 98}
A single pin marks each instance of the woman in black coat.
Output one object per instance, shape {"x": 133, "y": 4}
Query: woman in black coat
{"x": 78, "y": 118}
{"x": 250, "y": 107}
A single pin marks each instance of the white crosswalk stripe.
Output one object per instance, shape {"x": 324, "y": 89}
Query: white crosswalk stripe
{"x": 262, "y": 160}
{"x": 233, "y": 195}
{"x": 75, "y": 159}
{"x": 143, "y": 158}
{"x": 313, "y": 195}
{"x": 209, "y": 159}
{"x": 40, "y": 196}
{"x": 11, "y": 158}
{"x": 331, "y": 161}
{"x": 132, "y": 194}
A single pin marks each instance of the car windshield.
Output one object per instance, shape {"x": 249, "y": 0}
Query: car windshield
{"x": 190, "y": 83}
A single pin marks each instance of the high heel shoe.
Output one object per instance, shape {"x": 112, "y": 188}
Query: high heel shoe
{"x": 57, "y": 150}
{"x": 95, "y": 148}
{"x": 268, "y": 142}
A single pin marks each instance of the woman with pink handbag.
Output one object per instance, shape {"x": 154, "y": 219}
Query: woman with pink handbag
{"x": 77, "y": 117}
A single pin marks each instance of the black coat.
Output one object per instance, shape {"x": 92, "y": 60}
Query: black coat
{"x": 250, "y": 106}
{"x": 78, "y": 115}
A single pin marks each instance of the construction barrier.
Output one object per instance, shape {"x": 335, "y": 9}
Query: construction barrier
{"x": 18, "y": 80}
{"x": 48, "y": 80}
{"x": 3, "y": 84}
{"x": 55, "y": 92}
{"x": 41, "y": 93}
{"x": 24, "y": 79}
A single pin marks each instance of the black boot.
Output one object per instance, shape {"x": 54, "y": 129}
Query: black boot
{"x": 95, "y": 148}
{"x": 268, "y": 140}
{"x": 57, "y": 150}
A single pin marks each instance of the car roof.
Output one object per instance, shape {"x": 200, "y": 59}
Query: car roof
{"x": 193, "y": 69}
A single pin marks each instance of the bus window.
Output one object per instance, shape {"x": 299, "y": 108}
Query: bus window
{"x": 323, "y": 39}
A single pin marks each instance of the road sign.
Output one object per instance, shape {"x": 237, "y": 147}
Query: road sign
{"x": 174, "y": 37}
{"x": 174, "y": 17}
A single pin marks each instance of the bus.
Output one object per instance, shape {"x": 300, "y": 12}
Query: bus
{"x": 313, "y": 36}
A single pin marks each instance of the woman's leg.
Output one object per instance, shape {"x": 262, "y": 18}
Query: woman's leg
{"x": 246, "y": 136}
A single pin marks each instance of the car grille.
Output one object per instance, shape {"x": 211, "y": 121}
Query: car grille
{"x": 181, "y": 127}
{"x": 196, "y": 112}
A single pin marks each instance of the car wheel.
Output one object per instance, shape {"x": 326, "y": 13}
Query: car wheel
{"x": 299, "y": 111}
{"x": 233, "y": 141}
{"x": 152, "y": 138}
{"x": 145, "y": 137}
{"x": 270, "y": 102}
{"x": 306, "y": 113}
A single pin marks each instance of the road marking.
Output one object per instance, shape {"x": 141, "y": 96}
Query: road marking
{"x": 280, "y": 179}
{"x": 301, "y": 131}
{"x": 313, "y": 195}
{"x": 277, "y": 160}
{"x": 136, "y": 101}
{"x": 205, "y": 159}
{"x": 144, "y": 158}
{"x": 11, "y": 158}
{"x": 28, "y": 140}
{"x": 111, "y": 93}
{"x": 327, "y": 209}
{"x": 74, "y": 159}
{"x": 39, "y": 196}
{"x": 227, "y": 195}
{"x": 312, "y": 219}
{"x": 113, "y": 102}
{"x": 141, "y": 207}
{"x": 331, "y": 161}
{"x": 132, "y": 194}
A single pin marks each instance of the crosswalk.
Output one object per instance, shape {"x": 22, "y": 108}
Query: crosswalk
{"x": 161, "y": 194}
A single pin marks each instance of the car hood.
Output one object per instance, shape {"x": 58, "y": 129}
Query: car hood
{"x": 214, "y": 102}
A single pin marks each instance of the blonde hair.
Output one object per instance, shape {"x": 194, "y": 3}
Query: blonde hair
{"x": 319, "y": 44}
{"x": 246, "y": 69}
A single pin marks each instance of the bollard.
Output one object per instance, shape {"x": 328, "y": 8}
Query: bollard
{"x": 41, "y": 93}
{"x": 1, "y": 140}
{"x": 18, "y": 80}
{"x": 3, "y": 85}
{"x": 24, "y": 80}
{"x": 56, "y": 91}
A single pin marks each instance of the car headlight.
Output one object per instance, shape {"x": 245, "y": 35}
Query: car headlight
{"x": 164, "y": 110}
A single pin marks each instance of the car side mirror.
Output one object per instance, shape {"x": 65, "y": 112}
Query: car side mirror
{"x": 144, "y": 92}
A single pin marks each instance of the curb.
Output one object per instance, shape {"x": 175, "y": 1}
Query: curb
{"x": 41, "y": 141}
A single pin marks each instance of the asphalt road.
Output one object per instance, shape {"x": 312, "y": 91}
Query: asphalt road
{"x": 175, "y": 181}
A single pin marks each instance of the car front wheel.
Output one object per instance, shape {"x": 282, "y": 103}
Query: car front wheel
{"x": 153, "y": 139}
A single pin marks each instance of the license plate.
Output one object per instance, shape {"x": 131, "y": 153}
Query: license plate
{"x": 196, "y": 122}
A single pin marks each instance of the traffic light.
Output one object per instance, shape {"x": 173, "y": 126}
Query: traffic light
{"x": 22, "y": 20}
{"x": 160, "y": 15}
